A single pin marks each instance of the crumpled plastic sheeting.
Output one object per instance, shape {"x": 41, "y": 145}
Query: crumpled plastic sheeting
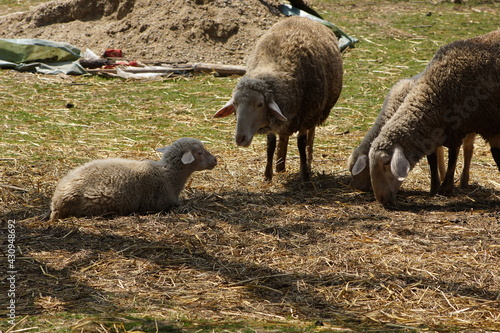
{"x": 42, "y": 56}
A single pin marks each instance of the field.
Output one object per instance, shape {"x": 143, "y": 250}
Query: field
{"x": 242, "y": 254}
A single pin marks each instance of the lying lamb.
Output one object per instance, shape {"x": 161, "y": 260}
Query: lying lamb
{"x": 458, "y": 94}
{"x": 121, "y": 186}
{"x": 293, "y": 79}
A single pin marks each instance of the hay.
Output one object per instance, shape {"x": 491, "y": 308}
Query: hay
{"x": 242, "y": 249}
{"x": 239, "y": 249}
{"x": 276, "y": 252}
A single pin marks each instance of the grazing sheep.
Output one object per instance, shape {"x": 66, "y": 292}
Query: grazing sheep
{"x": 121, "y": 186}
{"x": 458, "y": 94}
{"x": 293, "y": 79}
{"x": 358, "y": 163}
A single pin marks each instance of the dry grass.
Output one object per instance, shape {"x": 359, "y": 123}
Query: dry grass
{"x": 240, "y": 254}
{"x": 241, "y": 249}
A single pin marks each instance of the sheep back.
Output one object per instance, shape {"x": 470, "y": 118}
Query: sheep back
{"x": 392, "y": 101}
{"x": 459, "y": 93}
{"x": 117, "y": 186}
{"x": 300, "y": 62}
{"x": 121, "y": 186}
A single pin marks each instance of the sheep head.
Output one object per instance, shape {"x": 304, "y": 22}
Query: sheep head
{"x": 252, "y": 103}
{"x": 192, "y": 154}
{"x": 388, "y": 169}
{"x": 200, "y": 158}
{"x": 360, "y": 170}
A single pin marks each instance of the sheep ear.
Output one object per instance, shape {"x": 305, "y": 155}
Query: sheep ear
{"x": 187, "y": 157}
{"x": 400, "y": 167}
{"x": 275, "y": 109}
{"x": 360, "y": 165}
{"x": 226, "y": 110}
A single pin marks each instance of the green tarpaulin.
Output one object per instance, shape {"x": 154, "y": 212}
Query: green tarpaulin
{"x": 38, "y": 55}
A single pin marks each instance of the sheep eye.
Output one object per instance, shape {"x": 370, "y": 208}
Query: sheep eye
{"x": 260, "y": 105}
{"x": 386, "y": 159}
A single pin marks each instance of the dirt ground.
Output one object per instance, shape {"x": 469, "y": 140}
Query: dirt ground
{"x": 221, "y": 30}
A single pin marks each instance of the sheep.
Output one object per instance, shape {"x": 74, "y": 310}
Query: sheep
{"x": 358, "y": 161}
{"x": 293, "y": 79}
{"x": 458, "y": 94}
{"x": 121, "y": 186}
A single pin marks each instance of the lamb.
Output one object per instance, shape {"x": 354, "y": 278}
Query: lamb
{"x": 358, "y": 161}
{"x": 293, "y": 79}
{"x": 458, "y": 94}
{"x": 121, "y": 186}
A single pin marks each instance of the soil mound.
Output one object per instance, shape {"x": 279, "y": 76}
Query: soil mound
{"x": 219, "y": 31}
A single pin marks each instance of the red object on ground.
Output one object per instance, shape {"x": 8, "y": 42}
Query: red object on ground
{"x": 113, "y": 53}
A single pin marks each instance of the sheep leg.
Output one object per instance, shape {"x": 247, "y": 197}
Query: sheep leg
{"x": 495, "y": 152}
{"x": 432, "y": 159}
{"x": 310, "y": 143}
{"x": 448, "y": 182}
{"x": 495, "y": 149}
{"x": 271, "y": 147}
{"x": 281, "y": 154}
{"x": 468, "y": 146}
{"x": 440, "y": 163}
{"x": 302, "y": 144}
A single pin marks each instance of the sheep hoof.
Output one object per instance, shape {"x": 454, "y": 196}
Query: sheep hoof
{"x": 268, "y": 175}
{"x": 445, "y": 190}
{"x": 280, "y": 167}
{"x": 305, "y": 176}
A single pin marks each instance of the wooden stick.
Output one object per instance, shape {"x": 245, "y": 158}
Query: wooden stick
{"x": 12, "y": 187}
{"x": 222, "y": 70}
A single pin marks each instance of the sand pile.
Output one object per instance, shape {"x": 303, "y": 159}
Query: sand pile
{"x": 219, "y": 31}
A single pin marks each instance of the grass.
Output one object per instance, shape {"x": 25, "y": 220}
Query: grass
{"x": 242, "y": 255}
{"x": 398, "y": 38}
{"x": 41, "y": 117}
{"x": 12, "y": 6}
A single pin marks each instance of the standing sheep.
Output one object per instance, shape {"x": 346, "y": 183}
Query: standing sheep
{"x": 121, "y": 186}
{"x": 358, "y": 163}
{"x": 293, "y": 79}
{"x": 458, "y": 94}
